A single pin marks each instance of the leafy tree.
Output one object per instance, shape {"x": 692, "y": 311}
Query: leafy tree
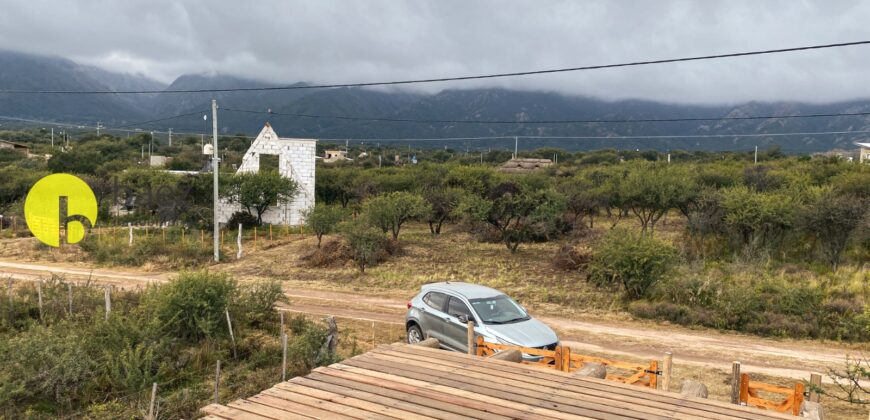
{"x": 365, "y": 242}
{"x": 442, "y": 204}
{"x": 257, "y": 191}
{"x": 757, "y": 219}
{"x": 634, "y": 262}
{"x": 389, "y": 212}
{"x": 832, "y": 219}
{"x": 704, "y": 216}
{"x": 650, "y": 190}
{"x": 323, "y": 219}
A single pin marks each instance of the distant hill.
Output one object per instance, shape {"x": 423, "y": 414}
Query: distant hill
{"x": 22, "y": 71}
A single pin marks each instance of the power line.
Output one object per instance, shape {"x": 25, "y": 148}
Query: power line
{"x": 639, "y": 120}
{"x": 449, "y": 79}
{"x": 162, "y": 119}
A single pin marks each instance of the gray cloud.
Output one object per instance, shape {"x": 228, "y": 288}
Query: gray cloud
{"x": 328, "y": 41}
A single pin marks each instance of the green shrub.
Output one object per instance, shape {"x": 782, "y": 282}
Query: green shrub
{"x": 365, "y": 242}
{"x": 636, "y": 263}
{"x": 191, "y": 307}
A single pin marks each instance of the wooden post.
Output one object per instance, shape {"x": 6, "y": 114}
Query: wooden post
{"x": 239, "y": 243}
{"x": 470, "y": 336}
{"x": 202, "y": 237}
{"x": 654, "y": 377}
{"x": 283, "y": 357}
{"x": 270, "y": 232}
{"x": 217, "y": 382}
{"x": 816, "y": 383}
{"x": 9, "y": 296}
{"x": 69, "y": 297}
{"x": 743, "y": 398}
{"x": 108, "y": 298}
{"x": 666, "y": 371}
{"x": 566, "y": 359}
{"x": 153, "y": 398}
{"x": 232, "y": 336}
{"x": 163, "y": 233}
{"x": 557, "y": 358}
{"x": 735, "y": 383}
{"x": 130, "y": 228}
{"x": 182, "y": 234}
{"x": 255, "y": 237}
{"x": 282, "y": 322}
{"x": 39, "y": 297}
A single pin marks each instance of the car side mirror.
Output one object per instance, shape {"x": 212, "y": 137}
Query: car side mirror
{"x": 462, "y": 318}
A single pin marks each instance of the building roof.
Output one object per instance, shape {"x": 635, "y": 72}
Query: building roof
{"x": 14, "y": 144}
{"x": 867, "y": 145}
{"x": 405, "y": 382}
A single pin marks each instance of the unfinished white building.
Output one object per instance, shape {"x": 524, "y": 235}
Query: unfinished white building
{"x": 295, "y": 159}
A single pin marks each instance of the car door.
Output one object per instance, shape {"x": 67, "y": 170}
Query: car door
{"x": 433, "y": 315}
{"x": 455, "y": 332}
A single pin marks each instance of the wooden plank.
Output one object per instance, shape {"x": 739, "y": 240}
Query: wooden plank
{"x": 515, "y": 391}
{"x": 408, "y": 396}
{"x": 437, "y": 392}
{"x": 389, "y": 403}
{"x": 349, "y": 401}
{"x": 326, "y": 405}
{"x": 558, "y": 396}
{"x": 500, "y": 368}
{"x": 277, "y": 413}
{"x": 230, "y": 413}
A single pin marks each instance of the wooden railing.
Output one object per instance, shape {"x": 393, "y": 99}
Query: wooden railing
{"x": 794, "y": 397}
{"x": 563, "y": 359}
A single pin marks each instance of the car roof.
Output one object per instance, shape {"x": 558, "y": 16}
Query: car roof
{"x": 468, "y": 290}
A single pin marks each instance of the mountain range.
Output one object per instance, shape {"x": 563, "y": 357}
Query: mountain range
{"x": 21, "y": 71}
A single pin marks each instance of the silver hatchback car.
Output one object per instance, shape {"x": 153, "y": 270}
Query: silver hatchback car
{"x": 442, "y": 311}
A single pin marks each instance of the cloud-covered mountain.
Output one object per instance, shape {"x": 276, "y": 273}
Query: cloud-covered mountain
{"x": 20, "y": 71}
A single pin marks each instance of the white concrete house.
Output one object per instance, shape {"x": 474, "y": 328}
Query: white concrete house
{"x": 295, "y": 160}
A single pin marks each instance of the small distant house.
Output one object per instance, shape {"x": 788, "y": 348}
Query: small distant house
{"x": 334, "y": 155}
{"x": 524, "y": 165}
{"x": 160, "y": 161}
{"x": 863, "y": 152}
{"x": 15, "y": 146}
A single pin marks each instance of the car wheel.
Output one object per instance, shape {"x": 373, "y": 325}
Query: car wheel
{"x": 414, "y": 334}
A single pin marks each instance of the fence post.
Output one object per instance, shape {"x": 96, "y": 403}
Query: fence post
{"x": 470, "y": 337}
{"x": 744, "y": 388}
{"x": 557, "y": 358}
{"x": 797, "y": 398}
{"x": 270, "y": 232}
{"x": 255, "y": 237}
{"x": 108, "y": 298}
{"x": 153, "y": 398}
{"x": 815, "y": 383}
{"x": 239, "y": 243}
{"x": 282, "y": 322}
{"x": 232, "y": 336}
{"x": 69, "y": 297}
{"x": 217, "y": 382}
{"x": 735, "y": 382}
{"x": 283, "y": 357}
{"x": 9, "y": 296}
{"x": 39, "y": 298}
{"x": 130, "y": 228}
{"x": 566, "y": 359}
{"x": 666, "y": 371}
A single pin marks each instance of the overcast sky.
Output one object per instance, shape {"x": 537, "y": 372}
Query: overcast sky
{"x": 330, "y": 41}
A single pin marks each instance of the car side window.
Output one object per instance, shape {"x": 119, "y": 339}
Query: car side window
{"x": 435, "y": 300}
{"x": 457, "y": 307}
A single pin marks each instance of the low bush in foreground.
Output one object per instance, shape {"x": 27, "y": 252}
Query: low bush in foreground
{"x": 83, "y": 365}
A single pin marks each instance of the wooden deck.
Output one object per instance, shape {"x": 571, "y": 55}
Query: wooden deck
{"x": 411, "y": 382}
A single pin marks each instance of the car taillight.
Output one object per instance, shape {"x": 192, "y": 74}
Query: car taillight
{"x": 409, "y": 304}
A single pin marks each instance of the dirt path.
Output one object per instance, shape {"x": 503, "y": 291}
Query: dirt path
{"x": 631, "y": 339}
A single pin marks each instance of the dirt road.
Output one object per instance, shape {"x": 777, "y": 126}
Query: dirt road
{"x": 628, "y": 339}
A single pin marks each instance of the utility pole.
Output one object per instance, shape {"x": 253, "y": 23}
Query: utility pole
{"x": 516, "y": 146}
{"x": 201, "y": 141}
{"x": 214, "y": 168}
{"x": 151, "y": 146}
{"x": 52, "y": 137}
{"x": 98, "y": 129}
{"x": 756, "y": 155}
{"x": 170, "y": 137}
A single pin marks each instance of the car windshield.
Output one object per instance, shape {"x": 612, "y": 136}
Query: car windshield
{"x": 499, "y": 310}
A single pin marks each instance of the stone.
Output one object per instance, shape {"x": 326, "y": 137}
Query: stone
{"x": 693, "y": 388}
{"x": 592, "y": 370}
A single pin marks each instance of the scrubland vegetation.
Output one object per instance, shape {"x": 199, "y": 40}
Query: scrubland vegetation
{"x": 775, "y": 248}
{"x": 80, "y": 363}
